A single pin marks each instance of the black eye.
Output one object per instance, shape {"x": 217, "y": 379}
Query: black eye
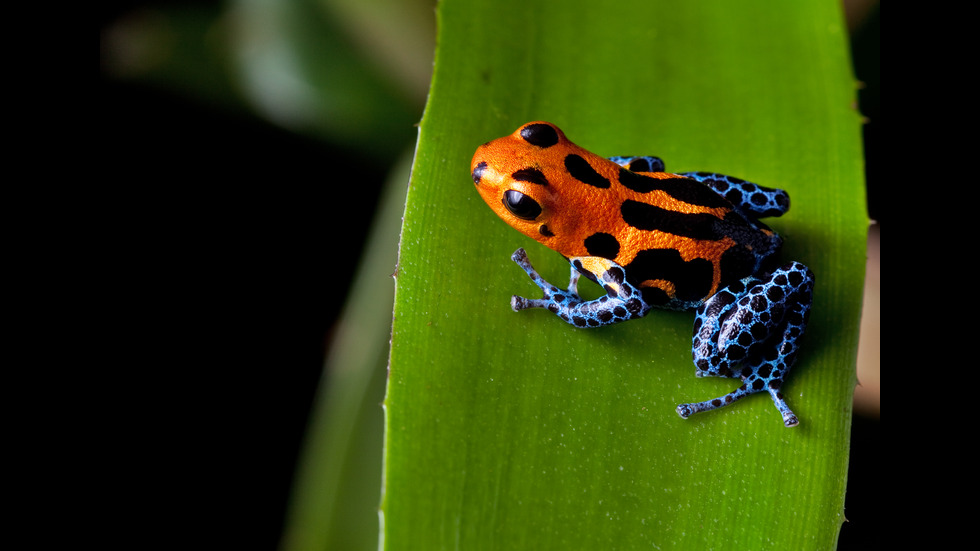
{"x": 521, "y": 205}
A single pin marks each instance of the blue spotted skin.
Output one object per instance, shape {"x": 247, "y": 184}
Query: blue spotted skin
{"x": 749, "y": 317}
{"x": 640, "y": 164}
{"x": 751, "y": 331}
{"x": 753, "y": 199}
{"x": 622, "y": 301}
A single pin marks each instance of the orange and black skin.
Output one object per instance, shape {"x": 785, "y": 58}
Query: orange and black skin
{"x": 678, "y": 239}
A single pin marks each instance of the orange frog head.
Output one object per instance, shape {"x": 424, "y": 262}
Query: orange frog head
{"x": 524, "y": 178}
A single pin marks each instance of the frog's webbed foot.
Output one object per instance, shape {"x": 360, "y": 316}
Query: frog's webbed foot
{"x": 622, "y": 301}
{"x": 553, "y": 296}
{"x": 751, "y": 331}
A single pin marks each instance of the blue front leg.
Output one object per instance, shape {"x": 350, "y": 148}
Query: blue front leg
{"x": 751, "y": 331}
{"x": 622, "y": 302}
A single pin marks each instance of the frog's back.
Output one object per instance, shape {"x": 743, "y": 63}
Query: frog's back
{"x": 679, "y": 240}
{"x": 688, "y": 257}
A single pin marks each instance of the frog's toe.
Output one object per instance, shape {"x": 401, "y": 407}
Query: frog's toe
{"x": 520, "y": 303}
{"x": 520, "y": 257}
{"x": 685, "y": 410}
{"x": 789, "y": 418}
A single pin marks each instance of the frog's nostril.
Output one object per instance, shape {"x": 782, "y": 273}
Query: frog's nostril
{"x": 478, "y": 172}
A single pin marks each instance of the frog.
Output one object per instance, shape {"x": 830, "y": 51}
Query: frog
{"x": 650, "y": 238}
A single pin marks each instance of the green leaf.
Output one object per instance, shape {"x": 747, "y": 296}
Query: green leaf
{"x": 513, "y": 430}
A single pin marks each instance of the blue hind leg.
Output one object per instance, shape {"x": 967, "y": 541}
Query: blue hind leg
{"x": 759, "y": 201}
{"x": 751, "y": 331}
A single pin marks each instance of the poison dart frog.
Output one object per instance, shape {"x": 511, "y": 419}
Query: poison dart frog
{"x": 688, "y": 241}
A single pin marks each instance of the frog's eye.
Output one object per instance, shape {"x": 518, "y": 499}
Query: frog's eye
{"x": 521, "y": 205}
